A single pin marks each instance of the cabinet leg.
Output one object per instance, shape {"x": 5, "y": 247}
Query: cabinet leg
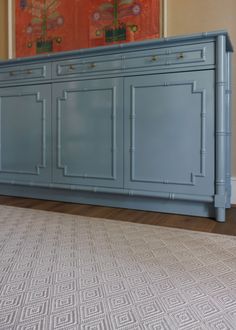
{"x": 220, "y": 214}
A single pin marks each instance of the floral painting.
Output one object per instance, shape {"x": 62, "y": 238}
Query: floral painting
{"x": 44, "y": 26}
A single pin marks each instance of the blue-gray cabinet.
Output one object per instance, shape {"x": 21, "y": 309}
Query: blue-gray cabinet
{"x": 144, "y": 125}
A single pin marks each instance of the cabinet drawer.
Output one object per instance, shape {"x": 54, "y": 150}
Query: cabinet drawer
{"x": 14, "y": 74}
{"x": 91, "y": 65}
{"x": 197, "y": 54}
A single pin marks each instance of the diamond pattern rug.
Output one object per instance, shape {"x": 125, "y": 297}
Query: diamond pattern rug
{"x": 69, "y": 272}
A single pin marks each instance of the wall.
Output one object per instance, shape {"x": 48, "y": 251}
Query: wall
{"x": 3, "y": 29}
{"x": 190, "y": 16}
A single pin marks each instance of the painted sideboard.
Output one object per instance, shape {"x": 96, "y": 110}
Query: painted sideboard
{"x": 141, "y": 125}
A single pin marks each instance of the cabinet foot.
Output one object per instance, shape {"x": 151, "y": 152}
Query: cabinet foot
{"x": 220, "y": 214}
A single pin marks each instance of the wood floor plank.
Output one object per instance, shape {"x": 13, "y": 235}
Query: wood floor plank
{"x": 152, "y": 218}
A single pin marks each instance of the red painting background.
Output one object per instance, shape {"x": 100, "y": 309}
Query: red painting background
{"x": 79, "y": 29}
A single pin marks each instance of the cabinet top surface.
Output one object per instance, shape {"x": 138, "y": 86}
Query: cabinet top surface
{"x": 125, "y": 47}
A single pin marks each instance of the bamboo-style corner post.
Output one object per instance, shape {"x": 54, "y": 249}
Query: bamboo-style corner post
{"x": 220, "y": 135}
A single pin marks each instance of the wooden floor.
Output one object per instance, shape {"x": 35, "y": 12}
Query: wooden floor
{"x": 152, "y": 218}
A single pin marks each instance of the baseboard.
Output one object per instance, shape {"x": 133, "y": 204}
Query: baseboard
{"x": 233, "y": 192}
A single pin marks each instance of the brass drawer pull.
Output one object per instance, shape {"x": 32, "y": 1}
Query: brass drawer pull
{"x": 154, "y": 58}
{"x": 71, "y": 67}
{"x": 92, "y": 65}
{"x": 180, "y": 56}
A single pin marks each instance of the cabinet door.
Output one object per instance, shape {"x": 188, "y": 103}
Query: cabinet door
{"x": 88, "y": 133}
{"x": 25, "y": 134}
{"x": 169, "y": 132}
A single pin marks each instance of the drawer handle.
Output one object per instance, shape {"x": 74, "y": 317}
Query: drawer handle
{"x": 71, "y": 67}
{"x": 12, "y": 73}
{"x": 154, "y": 58}
{"x": 29, "y": 71}
{"x": 180, "y": 56}
{"x": 92, "y": 65}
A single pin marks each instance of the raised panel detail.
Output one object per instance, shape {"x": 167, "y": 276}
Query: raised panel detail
{"x": 87, "y": 118}
{"x": 24, "y": 133}
{"x": 98, "y": 124}
{"x": 170, "y": 139}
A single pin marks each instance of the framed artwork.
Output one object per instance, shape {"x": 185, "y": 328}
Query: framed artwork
{"x": 45, "y": 26}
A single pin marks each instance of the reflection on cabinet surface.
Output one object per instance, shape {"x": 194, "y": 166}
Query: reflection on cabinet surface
{"x": 142, "y": 125}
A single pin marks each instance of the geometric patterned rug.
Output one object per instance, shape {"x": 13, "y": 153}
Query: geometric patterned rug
{"x": 68, "y": 272}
